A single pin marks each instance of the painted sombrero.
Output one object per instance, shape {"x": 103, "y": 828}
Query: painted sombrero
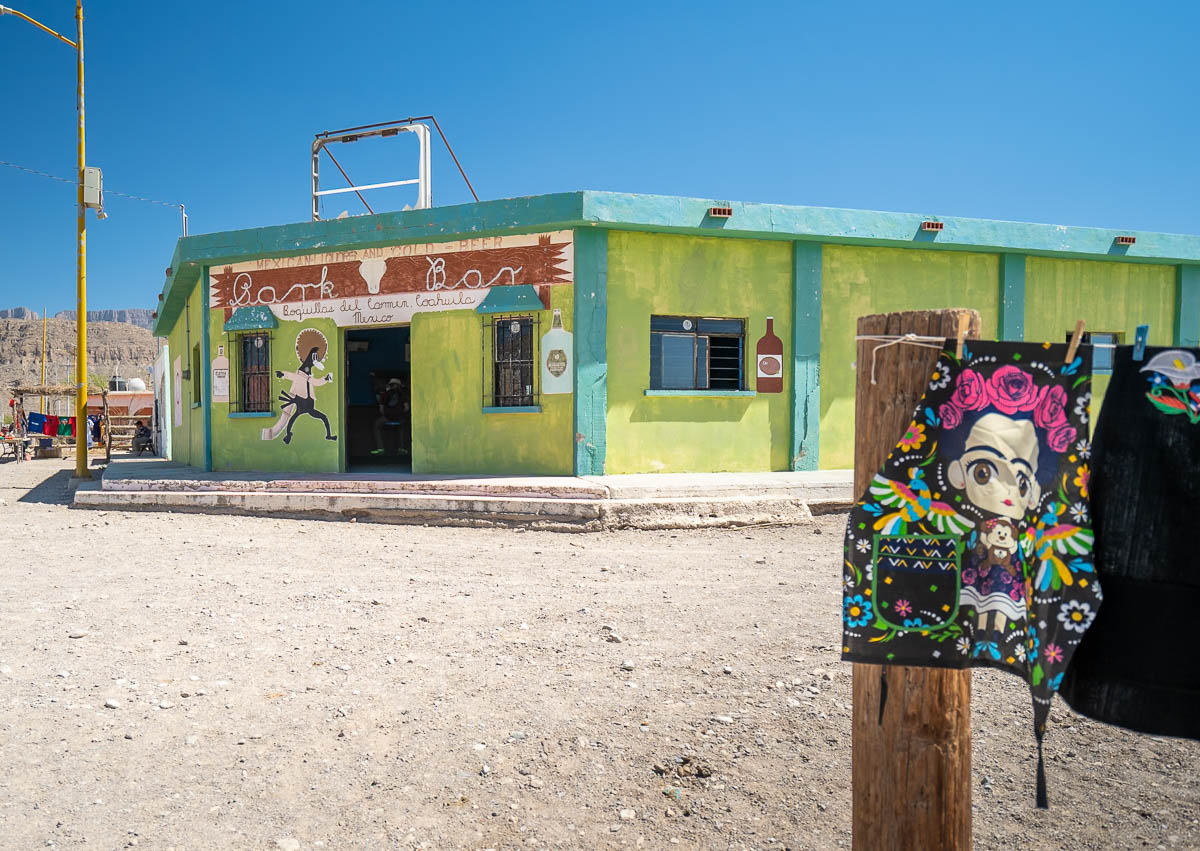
{"x": 309, "y": 339}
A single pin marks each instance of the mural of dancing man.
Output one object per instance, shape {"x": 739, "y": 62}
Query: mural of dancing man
{"x": 300, "y": 398}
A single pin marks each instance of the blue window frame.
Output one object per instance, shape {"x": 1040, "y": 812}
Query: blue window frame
{"x": 697, "y": 353}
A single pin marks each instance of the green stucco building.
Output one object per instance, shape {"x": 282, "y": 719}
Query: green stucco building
{"x": 591, "y": 332}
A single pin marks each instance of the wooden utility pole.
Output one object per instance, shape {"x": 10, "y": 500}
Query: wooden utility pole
{"x": 912, "y": 764}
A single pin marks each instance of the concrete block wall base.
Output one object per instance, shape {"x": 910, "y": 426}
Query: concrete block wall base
{"x": 560, "y": 503}
{"x": 548, "y": 514}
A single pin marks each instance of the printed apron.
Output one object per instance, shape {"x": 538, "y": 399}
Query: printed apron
{"x": 1135, "y": 666}
{"x": 973, "y": 546}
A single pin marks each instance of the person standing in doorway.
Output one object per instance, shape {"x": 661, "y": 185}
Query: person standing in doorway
{"x": 394, "y": 408}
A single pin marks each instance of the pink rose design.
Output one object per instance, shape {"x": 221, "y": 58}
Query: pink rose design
{"x": 1061, "y": 437}
{"x": 1051, "y": 408}
{"x": 951, "y": 415}
{"x": 970, "y": 393}
{"x": 1011, "y": 389}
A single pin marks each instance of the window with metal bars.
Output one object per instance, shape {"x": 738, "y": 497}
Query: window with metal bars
{"x": 697, "y": 353}
{"x": 510, "y": 361}
{"x": 254, "y": 374}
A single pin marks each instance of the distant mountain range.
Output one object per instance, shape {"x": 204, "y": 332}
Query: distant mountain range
{"x": 134, "y": 316}
{"x": 115, "y": 349}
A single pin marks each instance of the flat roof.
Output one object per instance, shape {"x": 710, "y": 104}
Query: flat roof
{"x": 659, "y": 214}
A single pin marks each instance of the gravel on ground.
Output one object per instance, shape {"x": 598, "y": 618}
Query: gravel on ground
{"x": 188, "y": 681}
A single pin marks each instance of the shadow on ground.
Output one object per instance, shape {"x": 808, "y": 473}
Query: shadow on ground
{"x": 53, "y": 490}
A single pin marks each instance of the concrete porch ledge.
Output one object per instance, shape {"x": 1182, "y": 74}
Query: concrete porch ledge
{"x": 159, "y": 475}
{"x": 565, "y": 503}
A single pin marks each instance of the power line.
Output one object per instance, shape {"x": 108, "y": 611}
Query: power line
{"x": 75, "y": 183}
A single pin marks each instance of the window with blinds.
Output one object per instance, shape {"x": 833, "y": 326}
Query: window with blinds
{"x": 697, "y": 353}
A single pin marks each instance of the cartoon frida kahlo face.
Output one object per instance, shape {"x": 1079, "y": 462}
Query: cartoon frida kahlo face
{"x": 998, "y": 468}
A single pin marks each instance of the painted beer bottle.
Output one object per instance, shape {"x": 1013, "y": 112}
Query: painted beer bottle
{"x": 556, "y": 357}
{"x": 770, "y": 360}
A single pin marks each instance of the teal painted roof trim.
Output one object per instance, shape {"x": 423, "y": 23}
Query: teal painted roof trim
{"x": 511, "y": 299}
{"x": 657, "y": 214}
{"x": 252, "y": 319}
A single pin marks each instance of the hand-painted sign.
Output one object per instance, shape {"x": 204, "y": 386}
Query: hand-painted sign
{"x": 557, "y": 351}
{"x": 389, "y": 285}
{"x": 770, "y": 361}
{"x": 220, "y": 376}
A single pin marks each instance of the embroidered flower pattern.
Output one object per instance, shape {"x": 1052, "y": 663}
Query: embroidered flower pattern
{"x": 1012, "y": 389}
{"x": 913, "y": 437}
{"x": 987, "y": 648}
{"x": 903, "y": 608}
{"x": 1081, "y": 407}
{"x": 940, "y": 377}
{"x": 856, "y": 610}
{"x": 862, "y": 545}
{"x": 1175, "y": 383}
{"x": 1053, "y": 654}
{"x": 1079, "y": 513}
{"x": 1075, "y": 616}
{"x": 1082, "y": 475}
{"x": 1051, "y": 410}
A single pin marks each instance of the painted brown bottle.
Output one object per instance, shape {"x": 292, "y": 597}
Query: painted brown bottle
{"x": 770, "y": 360}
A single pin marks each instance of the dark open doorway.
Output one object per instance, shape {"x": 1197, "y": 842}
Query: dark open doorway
{"x": 378, "y": 399}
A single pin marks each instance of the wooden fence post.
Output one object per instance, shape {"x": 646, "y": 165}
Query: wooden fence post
{"x": 912, "y": 767}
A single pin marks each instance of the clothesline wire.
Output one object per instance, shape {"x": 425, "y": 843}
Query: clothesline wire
{"x": 886, "y": 340}
{"x": 915, "y": 339}
{"x": 75, "y": 183}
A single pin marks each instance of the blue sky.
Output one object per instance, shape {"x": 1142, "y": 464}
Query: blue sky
{"x": 1070, "y": 113}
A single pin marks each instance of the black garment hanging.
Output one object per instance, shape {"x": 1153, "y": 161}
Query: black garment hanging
{"x": 1137, "y": 666}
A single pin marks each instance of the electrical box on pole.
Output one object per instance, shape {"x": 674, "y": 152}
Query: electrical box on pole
{"x": 93, "y": 188}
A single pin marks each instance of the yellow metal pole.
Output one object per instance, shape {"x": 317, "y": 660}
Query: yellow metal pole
{"x": 81, "y": 456}
{"x": 81, "y": 465}
{"x": 4, "y": 10}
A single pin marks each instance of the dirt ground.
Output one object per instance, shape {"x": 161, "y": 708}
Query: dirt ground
{"x": 304, "y": 684}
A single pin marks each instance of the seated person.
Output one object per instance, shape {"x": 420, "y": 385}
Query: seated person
{"x": 143, "y": 439}
{"x": 393, "y": 399}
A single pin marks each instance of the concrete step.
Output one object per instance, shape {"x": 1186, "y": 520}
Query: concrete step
{"x": 650, "y": 501}
{"x": 553, "y": 514}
